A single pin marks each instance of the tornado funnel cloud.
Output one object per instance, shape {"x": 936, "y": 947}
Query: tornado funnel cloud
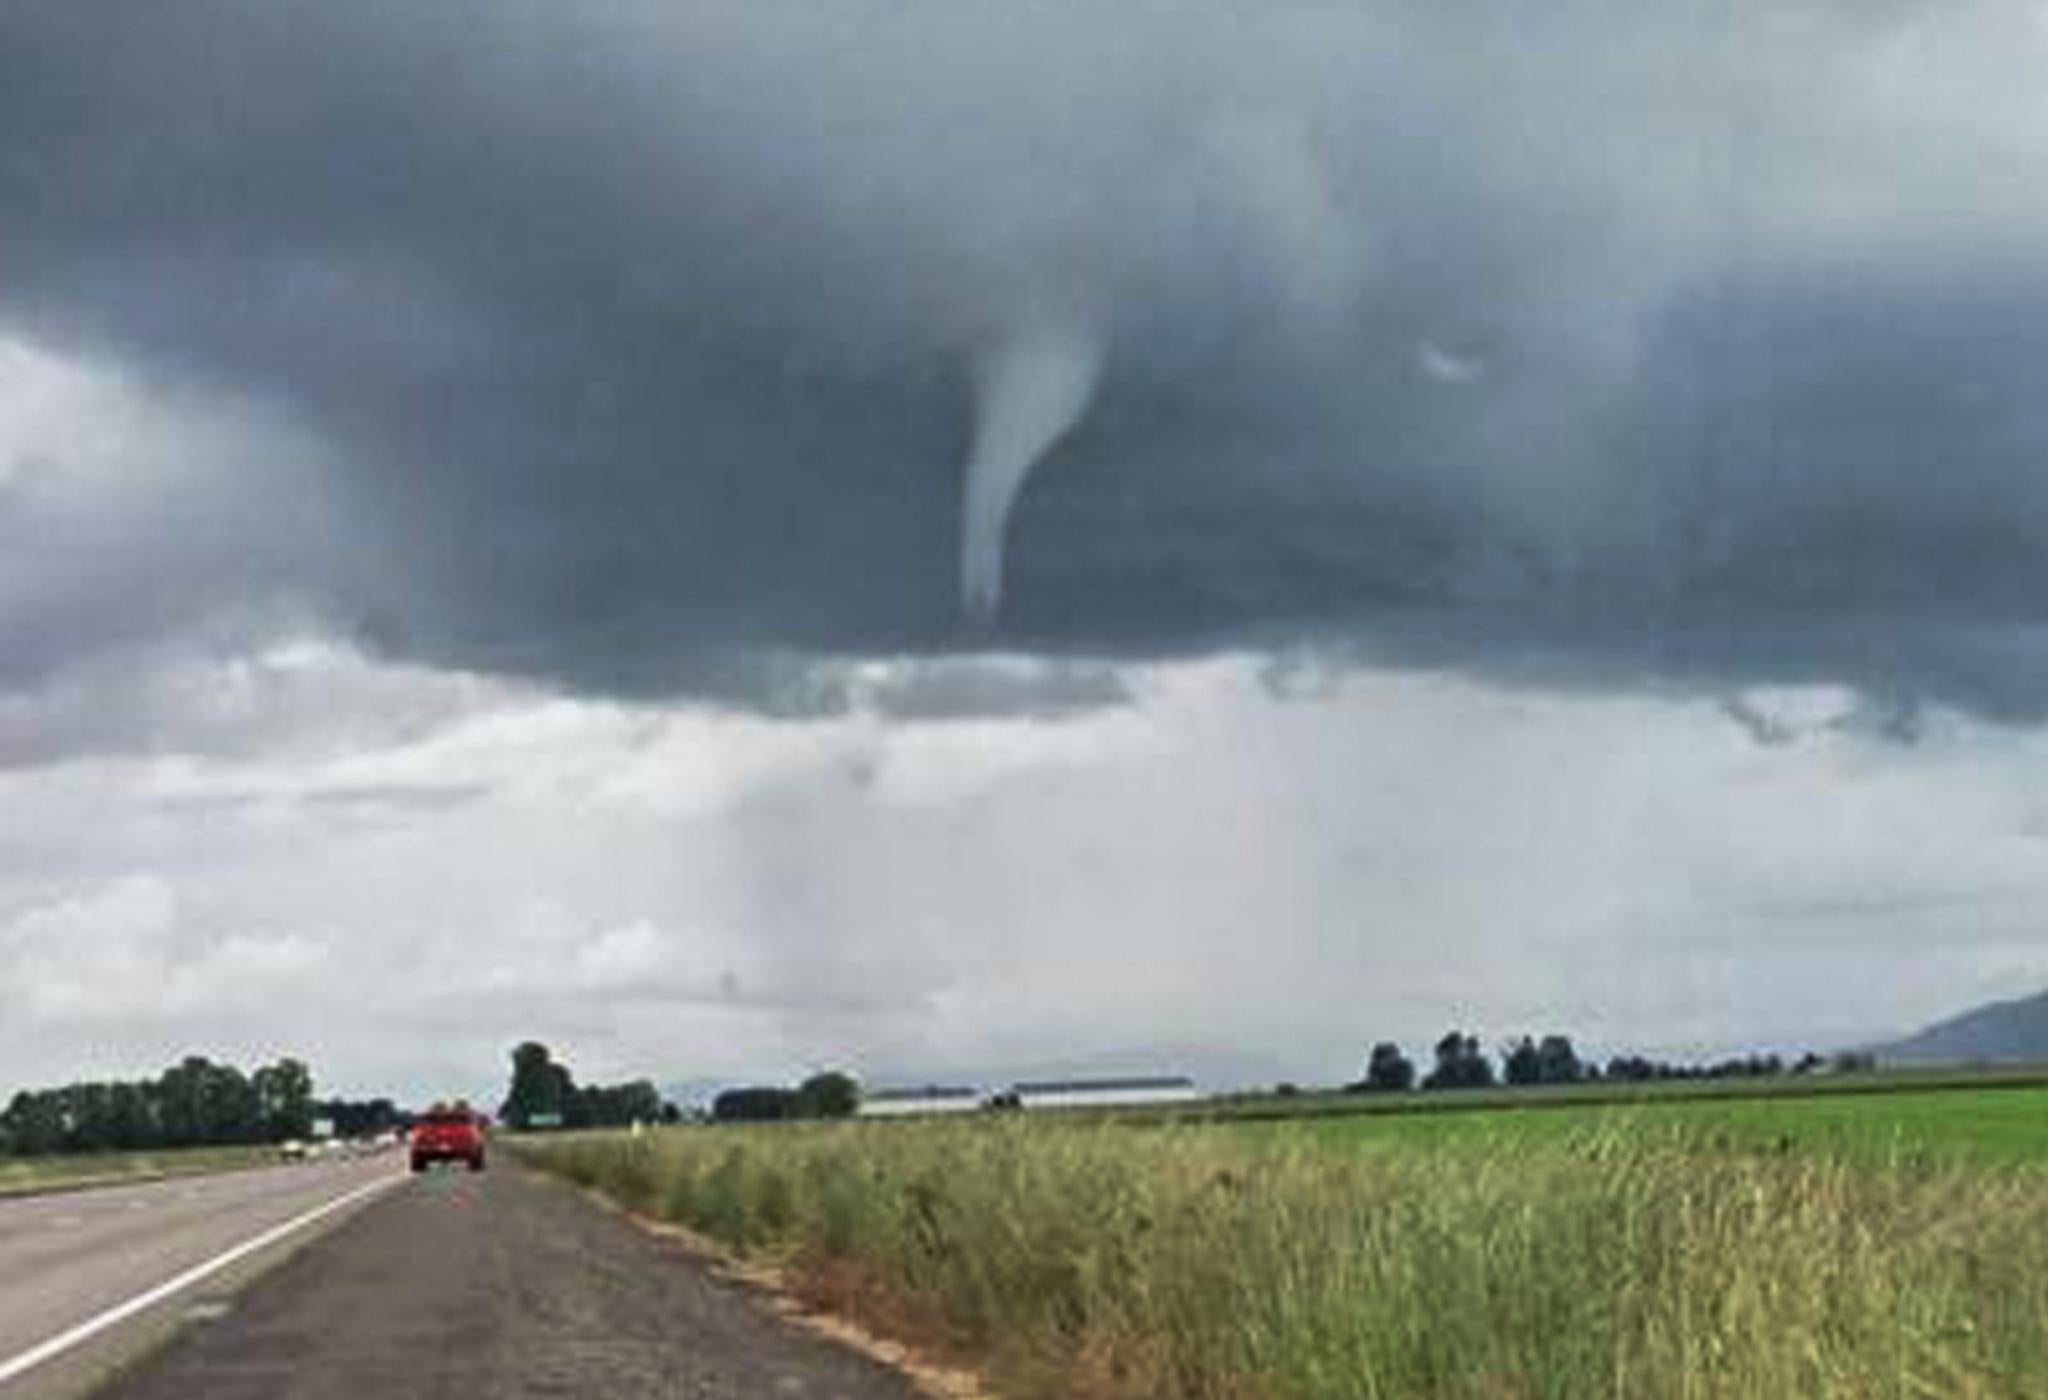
{"x": 1029, "y": 390}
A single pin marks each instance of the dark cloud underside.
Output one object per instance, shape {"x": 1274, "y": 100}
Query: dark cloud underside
{"x": 1612, "y": 343}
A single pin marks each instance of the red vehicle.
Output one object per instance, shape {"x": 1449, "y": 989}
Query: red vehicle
{"x": 447, "y": 1133}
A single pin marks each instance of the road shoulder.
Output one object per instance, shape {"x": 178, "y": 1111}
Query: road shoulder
{"x": 506, "y": 1285}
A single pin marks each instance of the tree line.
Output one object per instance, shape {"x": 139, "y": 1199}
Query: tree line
{"x": 194, "y": 1103}
{"x": 544, "y": 1094}
{"x": 361, "y": 1118}
{"x": 1461, "y": 1063}
{"x": 827, "y": 1095}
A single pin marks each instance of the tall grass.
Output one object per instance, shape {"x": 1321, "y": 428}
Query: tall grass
{"x": 1095, "y": 1259}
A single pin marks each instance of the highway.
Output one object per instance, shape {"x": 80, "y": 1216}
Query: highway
{"x": 498, "y": 1284}
{"x": 89, "y": 1279}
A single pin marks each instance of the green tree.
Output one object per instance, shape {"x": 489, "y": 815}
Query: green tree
{"x": 754, "y": 1105}
{"x": 358, "y": 1117}
{"x": 828, "y": 1095}
{"x": 541, "y": 1089}
{"x": 1387, "y": 1070}
{"x": 284, "y": 1099}
{"x": 34, "y": 1123}
{"x": 1460, "y": 1064}
{"x": 131, "y": 1113}
{"x": 89, "y": 1112}
{"x": 1520, "y": 1064}
{"x": 231, "y": 1112}
{"x": 1557, "y": 1062}
{"x": 1551, "y": 1060}
{"x": 576, "y": 1105}
{"x": 616, "y": 1105}
{"x": 182, "y": 1094}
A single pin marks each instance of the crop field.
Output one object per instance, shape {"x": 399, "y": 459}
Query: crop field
{"x": 1804, "y": 1089}
{"x": 1989, "y": 1126}
{"x": 19, "y": 1174}
{"x": 1858, "y": 1245}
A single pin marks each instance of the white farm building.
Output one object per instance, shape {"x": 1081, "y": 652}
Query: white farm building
{"x": 1103, "y": 1093}
{"x": 929, "y": 1098}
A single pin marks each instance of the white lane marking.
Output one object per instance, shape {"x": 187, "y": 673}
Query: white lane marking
{"x": 121, "y": 1312}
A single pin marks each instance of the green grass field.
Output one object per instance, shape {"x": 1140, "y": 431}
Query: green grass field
{"x": 1340, "y": 1104}
{"x": 19, "y": 1174}
{"x": 1889, "y": 1244}
{"x": 1991, "y": 1126}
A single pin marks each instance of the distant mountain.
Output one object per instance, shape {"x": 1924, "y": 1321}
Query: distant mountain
{"x": 2001, "y": 1033}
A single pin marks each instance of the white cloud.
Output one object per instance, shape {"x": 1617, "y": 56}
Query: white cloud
{"x": 1241, "y": 880}
{"x": 122, "y": 953}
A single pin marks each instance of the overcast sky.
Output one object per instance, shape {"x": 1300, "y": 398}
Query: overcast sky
{"x": 956, "y": 538}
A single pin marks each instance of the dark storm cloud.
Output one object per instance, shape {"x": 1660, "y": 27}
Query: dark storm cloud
{"x": 1585, "y": 343}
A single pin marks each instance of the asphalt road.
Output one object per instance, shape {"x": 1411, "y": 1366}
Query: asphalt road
{"x": 78, "y": 1259}
{"x": 500, "y": 1285}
